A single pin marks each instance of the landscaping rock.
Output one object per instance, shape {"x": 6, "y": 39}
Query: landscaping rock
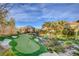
{"x": 5, "y": 43}
{"x": 36, "y": 39}
{"x": 14, "y": 36}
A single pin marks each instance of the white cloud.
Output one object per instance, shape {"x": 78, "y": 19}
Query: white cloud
{"x": 21, "y": 13}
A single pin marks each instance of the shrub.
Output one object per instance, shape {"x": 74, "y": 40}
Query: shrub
{"x": 68, "y": 44}
{"x": 1, "y": 38}
{"x": 13, "y": 43}
{"x": 76, "y": 53}
{"x": 56, "y": 49}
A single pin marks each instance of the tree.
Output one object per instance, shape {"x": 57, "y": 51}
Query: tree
{"x": 57, "y": 26}
{"x": 3, "y": 25}
{"x": 77, "y": 21}
{"x": 3, "y": 13}
{"x": 47, "y": 24}
{"x": 4, "y": 9}
{"x": 12, "y": 26}
{"x": 62, "y": 22}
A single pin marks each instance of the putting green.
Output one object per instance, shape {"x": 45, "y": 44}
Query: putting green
{"x": 26, "y": 45}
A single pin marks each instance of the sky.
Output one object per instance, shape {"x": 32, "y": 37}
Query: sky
{"x": 35, "y": 14}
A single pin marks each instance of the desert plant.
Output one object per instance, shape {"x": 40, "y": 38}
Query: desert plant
{"x": 68, "y": 44}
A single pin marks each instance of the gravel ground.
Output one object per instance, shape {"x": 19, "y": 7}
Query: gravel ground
{"x": 49, "y": 54}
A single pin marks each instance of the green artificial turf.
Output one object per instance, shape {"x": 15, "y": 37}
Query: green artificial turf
{"x": 26, "y": 45}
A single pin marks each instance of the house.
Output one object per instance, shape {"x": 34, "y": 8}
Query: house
{"x": 27, "y": 29}
{"x": 72, "y": 25}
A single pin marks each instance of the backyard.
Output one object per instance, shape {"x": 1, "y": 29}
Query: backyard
{"x": 28, "y": 32}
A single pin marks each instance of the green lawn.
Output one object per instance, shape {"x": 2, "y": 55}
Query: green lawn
{"x": 26, "y": 45}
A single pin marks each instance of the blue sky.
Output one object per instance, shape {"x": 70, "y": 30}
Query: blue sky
{"x": 36, "y": 14}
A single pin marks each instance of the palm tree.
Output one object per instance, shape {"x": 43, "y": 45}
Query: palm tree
{"x": 61, "y": 25}
{"x": 77, "y": 21}
{"x": 47, "y": 24}
{"x": 62, "y": 22}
